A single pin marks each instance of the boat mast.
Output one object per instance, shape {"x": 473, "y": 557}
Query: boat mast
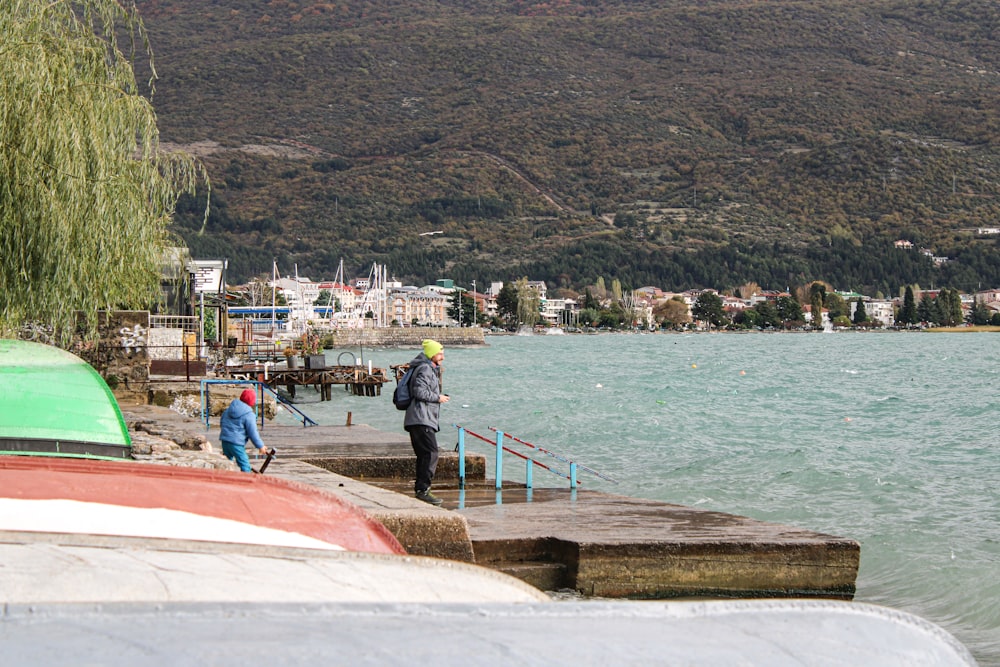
{"x": 274, "y": 291}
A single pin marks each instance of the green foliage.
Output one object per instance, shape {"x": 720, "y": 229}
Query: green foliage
{"x": 837, "y": 307}
{"x": 860, "y": 316}
{"x": 589, "y": 316}
{"x": 767, "y": 315}
{"x": 949, "y": 307}
{"x": 85, "y": 191}
{"x": 211, "y": 325}
{"x": 507, "y": 303}
{"x": 469, "y": 314}
{"x": 708, "y": 308}
{"x": 789, "y": 310}
{"x": 926, "y": 309}
{"x": 908, "y": 311}
{"x": 979, "y": 314}
{"x": 528, "y": 303}
{"x": 816, "y": 306}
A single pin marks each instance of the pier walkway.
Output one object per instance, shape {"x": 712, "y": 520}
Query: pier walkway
{"x": 359, "y": 380}
{"x": 595, "y": 543}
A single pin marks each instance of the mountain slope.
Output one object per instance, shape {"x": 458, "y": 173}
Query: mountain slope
{"x": 680, "y": 143}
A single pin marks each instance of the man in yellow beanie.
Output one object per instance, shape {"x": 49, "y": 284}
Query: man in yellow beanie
{"x": 421, "y": 420}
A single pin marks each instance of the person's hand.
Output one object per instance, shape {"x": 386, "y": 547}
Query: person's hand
{"x": 443, "y": 398}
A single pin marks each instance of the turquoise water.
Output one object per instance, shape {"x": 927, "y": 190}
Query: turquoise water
{"x": 886, "y": 438}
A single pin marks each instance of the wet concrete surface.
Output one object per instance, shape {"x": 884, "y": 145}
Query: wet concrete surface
{"x": 596, "y": 543}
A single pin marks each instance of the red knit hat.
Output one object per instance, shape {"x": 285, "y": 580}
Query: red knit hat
{"x": 249, "y": 396}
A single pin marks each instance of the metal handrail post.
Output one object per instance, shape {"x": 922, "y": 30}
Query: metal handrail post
{"x": 527, "y": 472}
{"x": 572, "y": 475}
{"x": 499, "y": 466}
{"x": 461, "y": 457}
{"x": 204, "y": 402}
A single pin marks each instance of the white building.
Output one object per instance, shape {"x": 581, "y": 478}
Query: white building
{"x": 559, "y": 311}
{"x": 877, "y": 309}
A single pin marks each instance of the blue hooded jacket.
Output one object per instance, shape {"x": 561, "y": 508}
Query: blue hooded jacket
{"x": 239, "y": 424}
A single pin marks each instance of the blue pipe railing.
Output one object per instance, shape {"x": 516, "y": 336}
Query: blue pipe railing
{"x": 530, "y": 462}
{"x": 261, "y": 388}
{"x": 288, "y": 405}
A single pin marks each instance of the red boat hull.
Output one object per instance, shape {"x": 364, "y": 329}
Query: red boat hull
{"x": 257, "y": 500}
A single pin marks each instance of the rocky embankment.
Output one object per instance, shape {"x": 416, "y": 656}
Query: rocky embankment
{"x": 173, "y": 436}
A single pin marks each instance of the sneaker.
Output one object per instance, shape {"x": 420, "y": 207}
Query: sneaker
{"x": 428, "y": 497}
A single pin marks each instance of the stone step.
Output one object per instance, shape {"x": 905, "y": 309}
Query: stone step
{"x": 538, "y": 550}
{"x": 543, "y": 576}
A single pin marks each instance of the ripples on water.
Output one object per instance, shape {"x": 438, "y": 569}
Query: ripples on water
{"x": 889, "y": 439}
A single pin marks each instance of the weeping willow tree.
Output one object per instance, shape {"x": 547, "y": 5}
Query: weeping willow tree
{"x": 85, "y": 192}
{"x": 528, "y": 302}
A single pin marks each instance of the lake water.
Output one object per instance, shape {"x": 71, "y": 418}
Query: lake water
{"x": 886, "y": 438}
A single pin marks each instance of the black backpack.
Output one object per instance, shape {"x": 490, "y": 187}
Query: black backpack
{"x": 401, "y": 394}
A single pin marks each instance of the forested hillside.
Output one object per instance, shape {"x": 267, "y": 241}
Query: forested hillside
{"x": 674, "y": 143}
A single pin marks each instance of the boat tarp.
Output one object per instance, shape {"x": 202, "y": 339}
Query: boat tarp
{"x": 53, "y": 401}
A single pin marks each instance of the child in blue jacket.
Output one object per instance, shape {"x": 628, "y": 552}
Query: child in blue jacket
{"x": 239, "y": 424}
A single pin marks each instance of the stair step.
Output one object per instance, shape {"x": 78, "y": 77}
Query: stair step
{"x": 543, "y": 576}
{"x": 536, "y": 550}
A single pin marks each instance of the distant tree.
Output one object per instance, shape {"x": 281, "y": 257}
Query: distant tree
{"x": 955, "y": 314}
{"x": 767, "y": 314}
{"x": 528, "y": 303}
{"x": 747, "y": 319}
{"x": 616, "y": 290}
{"x": 979, "y": 314}
{"x": 610, "y": 318}
{"x": 589, "y": 316}
{"x": 672, "y": 312}
{"x": 589, "y": 301}
{"x": 949, "y": 307}
{"x": 600, "y": 291}
{"x": 816, "y": 309}
{"x": 926, "y": 310}
{"x": 324, "y": 298}
{"x": 908, "y": 313}
{"x": 748, "y": 290}
{"x": 836, "y": 306}
{"x": 507, "y": 303}
{"x": 860, "y": 316}
{"x": 708, "y": 308}
{"x": 462, "y": 309}
{"x": 789, "y": 309}
{"x": 817, "y": 294}
{"x": 87, "y": 192}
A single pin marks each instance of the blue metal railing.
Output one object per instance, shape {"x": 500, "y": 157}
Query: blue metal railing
{"x": 530, "y": 462}
{"x": 261, "y": 389}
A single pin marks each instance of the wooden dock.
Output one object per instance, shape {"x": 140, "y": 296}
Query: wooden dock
{"x": 356, "y": 379}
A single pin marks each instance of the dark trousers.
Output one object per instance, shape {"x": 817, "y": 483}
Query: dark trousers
{"x": 425, "y": 446}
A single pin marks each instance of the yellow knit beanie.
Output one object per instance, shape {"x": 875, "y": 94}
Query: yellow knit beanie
{"x": 431, "y": 348}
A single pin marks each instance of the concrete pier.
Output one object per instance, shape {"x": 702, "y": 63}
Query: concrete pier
{"x": 598, "y": 544}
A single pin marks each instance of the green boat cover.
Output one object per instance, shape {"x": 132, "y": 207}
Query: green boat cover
{"x": 53, "y": 402}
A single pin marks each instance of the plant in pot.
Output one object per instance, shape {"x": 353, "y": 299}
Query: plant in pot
{"x": 291, "y": 360}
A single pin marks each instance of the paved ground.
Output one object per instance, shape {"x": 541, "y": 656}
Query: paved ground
{"x": 596, "y": 543}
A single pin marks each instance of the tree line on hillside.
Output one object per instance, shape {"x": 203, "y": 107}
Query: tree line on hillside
{"x": 518, "y": 305}
{"x": 533, "y": 156}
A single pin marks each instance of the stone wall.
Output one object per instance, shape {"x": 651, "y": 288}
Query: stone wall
{"x": 121, "y": 354}
{"x": 408, "y": 336}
